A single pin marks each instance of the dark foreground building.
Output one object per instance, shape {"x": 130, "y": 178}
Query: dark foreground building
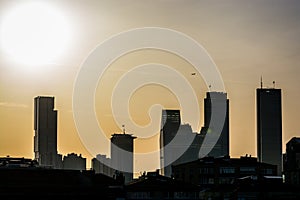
{"x": 210, "y": 171}
{"x": 292, "y": 162}
{"x": 155, "y": 186}
{"x": 235, "y": 178}
{"x": 23, "y": 179}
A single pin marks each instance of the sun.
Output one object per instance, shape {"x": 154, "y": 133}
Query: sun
{"x": 34, "y": 33}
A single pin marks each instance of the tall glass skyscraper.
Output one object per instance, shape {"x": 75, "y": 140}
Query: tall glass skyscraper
{"x": 170, "y": 123}
{"x": 217, "y": 102}
{"x": 45, "y": 128}
{"x": 122, "y": 154}
{"x": 269, "y": 126}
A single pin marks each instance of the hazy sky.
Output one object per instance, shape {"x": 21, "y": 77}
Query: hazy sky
{"x": 246, "y": 40}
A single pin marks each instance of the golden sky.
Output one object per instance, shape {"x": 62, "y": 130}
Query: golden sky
{"x": 245, "y": 39}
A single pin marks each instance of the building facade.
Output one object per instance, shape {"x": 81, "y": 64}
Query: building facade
{"x": 122, "y": 154}
{"x": 74, "y": 161}
{"x": 291, "y": 164}
{"x": 210, "y": 171}
{"x": 218, "y": 103}
{"x": 269, "y": 126}
{"x": 155, "y": 186}
{"x": 45, "y": 128}
{"x": 170, "y": 123}
{"x": 99, "y": 166}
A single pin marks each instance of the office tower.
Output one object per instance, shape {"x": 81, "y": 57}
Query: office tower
{"x": 269, "y": 126}
{"x": 170, "y": 123}
{"x": 122, "y": 154}
{"x": 218, "y": 103}
{"x": 45, "y": 127}
{"x": 188, "y": 144}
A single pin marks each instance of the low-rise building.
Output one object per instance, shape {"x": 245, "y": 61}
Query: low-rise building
{"x": 155, "y": 186}
{"x": 210, "y": 171}
{"x": 291, "y": 162}
{"x": 74, "y": 161}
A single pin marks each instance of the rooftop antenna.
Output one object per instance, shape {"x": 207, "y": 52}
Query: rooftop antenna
{"x": 274, "y": 84}
{"x": 209, "y": 87}
{"x": 123, "y": 126}
{"x": 261, "y": 82}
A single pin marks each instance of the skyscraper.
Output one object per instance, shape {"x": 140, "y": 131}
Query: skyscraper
{"x": 122, "y": 154}
{"x": 170, "y": 123}
{"x": 219, "y": 101}
{"x": 269, "y": 126}
{"x": 45, "y": 127}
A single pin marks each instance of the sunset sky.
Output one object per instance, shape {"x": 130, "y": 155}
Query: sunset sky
{"x": 245, "y": 39}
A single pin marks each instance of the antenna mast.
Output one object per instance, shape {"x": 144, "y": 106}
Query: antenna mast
{"x": 123, "y": 128}
{"x": 261, "y": 82}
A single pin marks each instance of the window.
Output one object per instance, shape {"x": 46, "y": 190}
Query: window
{"x": 226, "y": 180}
{"x": 227, "y": 170}
{"x": 247, "y": 170}
{"x": 267, "y": 171}
{"x": 206, "y": 170}
{"x": 203, "y": 180}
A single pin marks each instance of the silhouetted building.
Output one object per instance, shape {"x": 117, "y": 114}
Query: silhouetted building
{"x": 170, "y": 123}
{"x": 186, "y": 145}
{"x": 17, "y": 162}
{"x": 218, "y": 103}
{"x": 269, "y": 126}
{"x": 266, "y": 187}
{"x": 74, "y": 161}
{"x": 210, "y": 171}
{"x": 190, "y": 150}
{"x": 45, "y": 127}
{"x": 291, "y": 163}
{"x": 47, "y": 183}
{"x": 99, "y": 166}
{"x": 155, "y": 186}
{"x": 122, "y": 154}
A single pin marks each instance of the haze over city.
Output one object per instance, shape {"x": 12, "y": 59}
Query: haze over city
{"x": 247, "y": 40}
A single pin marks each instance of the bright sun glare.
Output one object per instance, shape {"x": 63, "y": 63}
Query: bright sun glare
{"x": 34, "y": 33}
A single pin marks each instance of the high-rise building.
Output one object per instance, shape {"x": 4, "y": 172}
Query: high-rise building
{"x": 45, "y": 127}
{"x": 218, "y": 103}
{"x": 186, "y": 148}
{"x": 122, "y": 154}
{"x": 269, "y": 126}
{"x": 170, "y": 123}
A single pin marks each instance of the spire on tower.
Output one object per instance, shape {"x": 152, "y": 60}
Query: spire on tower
{"x": 123, "y": 126}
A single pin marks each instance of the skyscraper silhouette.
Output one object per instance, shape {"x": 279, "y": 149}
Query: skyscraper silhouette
{"x": 45, "y": 127}
{"x": 122, "y": 154}
{"x": 219, "y": 101}
{"x": 170, "y": 123}
{"x": 269, "y": 126}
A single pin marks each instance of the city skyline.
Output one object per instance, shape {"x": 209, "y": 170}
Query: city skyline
{"x": 45, "y": 128}
{"x": 246, "y": 41}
